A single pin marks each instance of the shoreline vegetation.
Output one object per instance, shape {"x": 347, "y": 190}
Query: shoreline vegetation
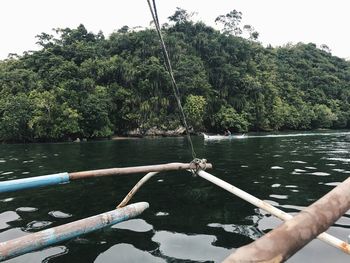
{"x": 85, "y": 85}
{"x": 134, "y": 135}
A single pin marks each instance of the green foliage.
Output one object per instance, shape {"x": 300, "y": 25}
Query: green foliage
{"x": 231, "y": 22}
{"x": 180, "y": 16}
{"x": 16, "y": 113}
{"x": 81, "y": 84}
{"x": 194, "y": 110}
{"x": 228, "y": 118}
{"x": 50, "y": 119}
{"x": 95, "y": 113}
{"x": 191, "y": 76}
{"x": 324, "y": 116}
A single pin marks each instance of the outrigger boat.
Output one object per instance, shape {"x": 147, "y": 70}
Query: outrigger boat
{"x": 279, "y": 245}
{"x": 223, "y": 137}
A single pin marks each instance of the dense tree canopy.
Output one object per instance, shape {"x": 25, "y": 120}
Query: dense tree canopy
{"x": 81, "y": 84}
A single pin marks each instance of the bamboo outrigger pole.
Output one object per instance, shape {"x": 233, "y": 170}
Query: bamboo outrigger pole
{"x": 329, "y": 239}
{"x": 133, "y": 191}
{"x": 281, "y": 243}
{"x": 62, "y": 178}
{"x": 42, "y": 239}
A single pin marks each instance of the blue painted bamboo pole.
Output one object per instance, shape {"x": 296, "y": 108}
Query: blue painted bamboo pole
{"x": 42, "y": 239}
{"x": 33, "y": 182}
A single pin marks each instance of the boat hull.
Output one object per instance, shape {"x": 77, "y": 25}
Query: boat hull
{"x": 223, "y": 137}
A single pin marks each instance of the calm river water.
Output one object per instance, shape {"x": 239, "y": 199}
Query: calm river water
{"x": 189, "y": 219}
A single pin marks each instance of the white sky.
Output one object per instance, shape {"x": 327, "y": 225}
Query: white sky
{"x": 277, "y": 21}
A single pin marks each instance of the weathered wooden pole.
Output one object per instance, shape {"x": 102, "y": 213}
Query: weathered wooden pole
{"x": 329, "y": 239}
{"x": 200, "y": 164}
{"x": 54, "y": 179}
{"x": 281, "y": 243}
{"x": 133, "y": 191}
{"x": 137, "y": 169}
{"x": 39, "y": 240}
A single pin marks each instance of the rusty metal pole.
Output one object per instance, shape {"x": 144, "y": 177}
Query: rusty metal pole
{"x": 327, "y": 238}
{"x": 39, "y": 240}
{"x": 281, "y": 243}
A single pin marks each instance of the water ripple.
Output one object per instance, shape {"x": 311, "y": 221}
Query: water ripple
{"x": 127, "y": 253}
{"x": 301, "y": 162}
{"x": 6, "y": 200}
{"x": 194, "y": 247}
{"x": 6, "y": 173}
{"x": 6, "y": 217}
{"x": 277, "y": 168}
{"x": 332, "y": 183}
{"x": 162, "y": 214}
{"x": 275, "y": 185}
{"x": 245, "y": 230}
{"x": 59, "y": 214}
{"x": 44, "y": 255}
{"x": 136, "y": 225}
{"x": 27, "y": 209}
{"x": 36, "y": 225}
{"x": 310, "y": 167}
{"x": 345, "y": 160}
{"x": 320, "y": 174}
{"x": 279, "y": 196}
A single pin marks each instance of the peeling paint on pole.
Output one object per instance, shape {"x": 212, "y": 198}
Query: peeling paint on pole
{"x": 39, "y": 240}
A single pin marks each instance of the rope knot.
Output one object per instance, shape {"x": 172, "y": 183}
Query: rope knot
{"x": 198, "y": 163}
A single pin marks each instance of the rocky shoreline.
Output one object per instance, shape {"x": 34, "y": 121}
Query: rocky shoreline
{"x": 154, "y": 131}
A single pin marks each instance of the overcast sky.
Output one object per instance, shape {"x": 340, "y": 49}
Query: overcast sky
{"x": 277, "y": 21}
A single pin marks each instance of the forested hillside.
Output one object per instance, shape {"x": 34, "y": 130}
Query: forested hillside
{"x": 81, "y": 84}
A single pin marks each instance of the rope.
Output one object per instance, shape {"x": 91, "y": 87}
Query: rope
{"x": 198, "y": 162}
{"x": 175, "y": 88}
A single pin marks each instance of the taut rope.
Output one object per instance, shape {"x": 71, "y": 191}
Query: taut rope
{"x": 153, "y": 10}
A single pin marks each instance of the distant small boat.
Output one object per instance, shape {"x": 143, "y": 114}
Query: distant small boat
{"x": 223, "y": 137}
